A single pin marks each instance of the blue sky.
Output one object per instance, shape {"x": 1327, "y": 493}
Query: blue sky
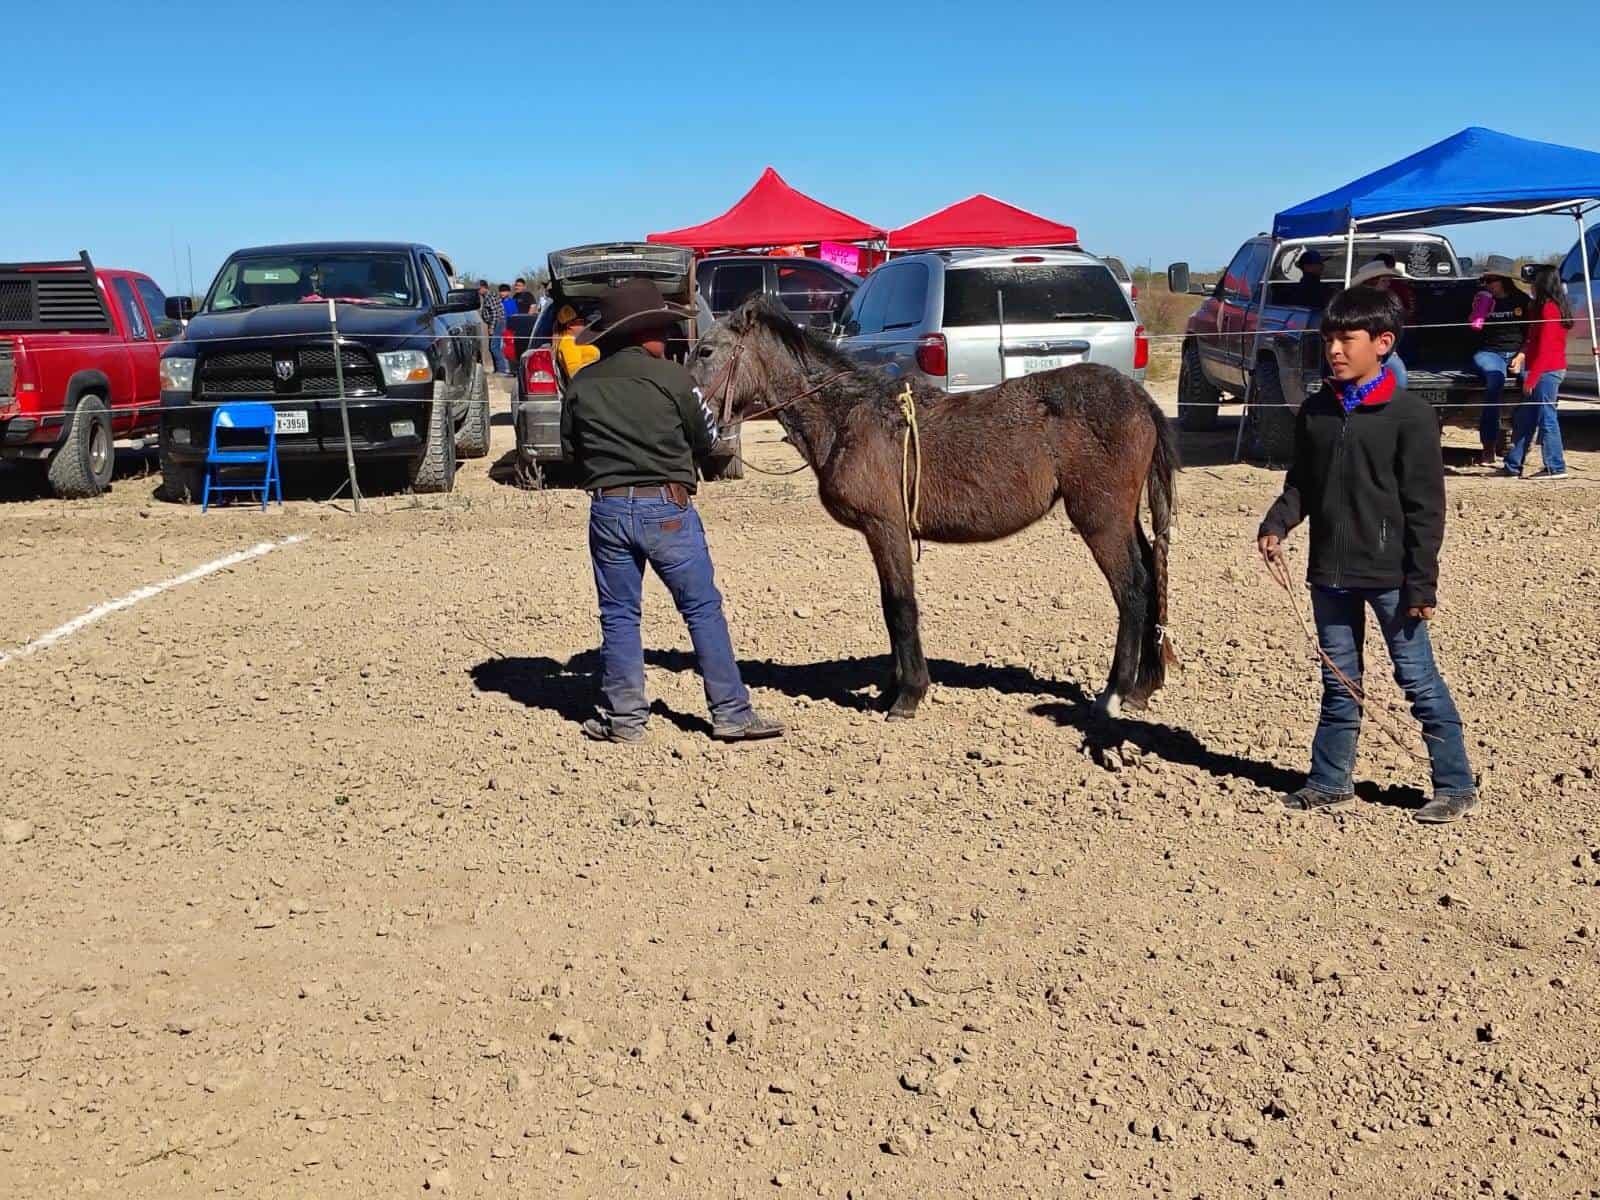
{"x": 1160, "y": 130}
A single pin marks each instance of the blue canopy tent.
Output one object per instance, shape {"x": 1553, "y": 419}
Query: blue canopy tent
{"x": 1475, "y": 175}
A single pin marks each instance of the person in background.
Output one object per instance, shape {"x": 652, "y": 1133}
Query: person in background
{"x": 519, "y": 327}
{"x": 507, "y": 305}
{"x": 544, "y": 296}
{"x": 1308, "y": 291}
{"x": 1387, "y": 275}
{"x": 574, "y": 355}
{"x": 1368, "y": 473}
{"x": 1498, "y": 312}
{"x": 494, "y": 322}
{"x": 520, "y": 293}
{"x": 1543, "y": 363}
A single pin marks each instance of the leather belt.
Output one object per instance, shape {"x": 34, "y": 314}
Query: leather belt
{"x": 676, "y": 493}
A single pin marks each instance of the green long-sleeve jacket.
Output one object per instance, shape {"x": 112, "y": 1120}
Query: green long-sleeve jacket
{"x": 632, "y": 418}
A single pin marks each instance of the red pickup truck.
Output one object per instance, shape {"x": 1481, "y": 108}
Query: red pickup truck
{"x": 80, "y": 353}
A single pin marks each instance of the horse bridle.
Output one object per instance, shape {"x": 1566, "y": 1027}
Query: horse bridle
{"x": 726, "y": 384}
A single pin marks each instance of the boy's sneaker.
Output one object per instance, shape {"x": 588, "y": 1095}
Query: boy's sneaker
{"x": 1441, "y": 810}
{"x": 1487, "y": 458}
{"x": 598, "y": 729}
{"x": 1308, "y": 799}
{"x": 1544, "y": 475}
{"x": 752, "y": 728}
{"x": 1507, "y": 473}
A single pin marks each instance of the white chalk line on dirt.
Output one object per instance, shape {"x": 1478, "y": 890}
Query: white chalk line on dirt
{"x": 139, "y": 595}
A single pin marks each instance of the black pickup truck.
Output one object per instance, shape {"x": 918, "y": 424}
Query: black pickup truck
{"x": 410, "y": 348}
{"x": 1254, "y": 337}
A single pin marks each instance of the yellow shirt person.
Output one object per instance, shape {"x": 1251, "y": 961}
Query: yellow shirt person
{"x": 573, "y": 356}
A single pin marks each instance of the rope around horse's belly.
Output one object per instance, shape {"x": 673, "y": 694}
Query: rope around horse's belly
{"x": 911, "y": 475}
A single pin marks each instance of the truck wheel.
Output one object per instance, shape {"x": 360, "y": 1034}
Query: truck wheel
{"x": 1272, "y": 421}
{"x": 180, "y": 484}
{"x": 1197, "y": 399}
{"x": 472, "y": 440}
{"x": 82, "y": 465}
{"x": 435, "y": 471}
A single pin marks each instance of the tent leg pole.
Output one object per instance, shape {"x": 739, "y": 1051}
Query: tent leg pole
{"x": 1588, "y": 289}
{"x": 1349, "y": 253}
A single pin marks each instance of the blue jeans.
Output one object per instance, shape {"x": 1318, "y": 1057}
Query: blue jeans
{"x": 498, "y": 352}
{"x": 1341, "y": 628}
{"x": 624, "y": 534}
{"x": 1397, "y": 366}
{"x": 1492, "y": 366}
{"x": 1539, "y": 413}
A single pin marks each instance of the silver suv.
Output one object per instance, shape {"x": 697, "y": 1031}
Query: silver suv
{"x": 940, "y": 316}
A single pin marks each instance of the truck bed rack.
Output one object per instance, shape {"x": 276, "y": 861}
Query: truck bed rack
{"x": 52, "y": 297}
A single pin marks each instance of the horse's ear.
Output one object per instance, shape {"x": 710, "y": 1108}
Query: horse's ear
{"x": 743, "y": 319}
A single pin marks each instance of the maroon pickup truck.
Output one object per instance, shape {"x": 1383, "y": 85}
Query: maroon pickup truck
{"x": 80, "y": 353}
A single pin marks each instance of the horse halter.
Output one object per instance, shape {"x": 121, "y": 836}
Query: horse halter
{"x": 726, "y": 384}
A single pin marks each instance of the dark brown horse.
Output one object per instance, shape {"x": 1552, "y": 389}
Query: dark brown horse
{"x": 992, "y": 463}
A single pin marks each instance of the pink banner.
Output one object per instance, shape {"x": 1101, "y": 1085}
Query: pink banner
{"x": 846, "y": 258}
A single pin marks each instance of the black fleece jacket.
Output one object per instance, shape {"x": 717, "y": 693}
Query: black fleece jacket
{"x": 1372, "y": 484}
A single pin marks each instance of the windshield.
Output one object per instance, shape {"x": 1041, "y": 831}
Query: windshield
{"x": 1033, "y": 295}
{"x": 382, "y": 279}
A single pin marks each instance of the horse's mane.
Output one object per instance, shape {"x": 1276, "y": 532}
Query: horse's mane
{"x": 808, "y": 348}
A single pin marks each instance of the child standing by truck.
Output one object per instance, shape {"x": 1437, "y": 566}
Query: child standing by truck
{"x": 1543, "y": 361}
{"x": 1369, "y": 475}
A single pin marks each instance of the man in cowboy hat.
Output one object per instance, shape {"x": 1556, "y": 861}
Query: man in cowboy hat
{"x": 1307, "y": 292}
{"x": 635, "y": 424}
{"x": 1499, "y": 314}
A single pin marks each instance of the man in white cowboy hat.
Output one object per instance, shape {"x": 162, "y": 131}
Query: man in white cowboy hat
{"x": 1387, "y": 275}
{"x": 634, "y": 423}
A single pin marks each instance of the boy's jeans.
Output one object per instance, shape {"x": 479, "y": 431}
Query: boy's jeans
{"x": 1539, "y": 413}
{"x": 1492, "y": 366}
{"x": 624, "y": 534}
{"x": 1341, "y": 626}
{"x": 497, "y": 351}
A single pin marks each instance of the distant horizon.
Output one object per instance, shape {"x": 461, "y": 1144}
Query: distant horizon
{"x": 1131, "y": 128}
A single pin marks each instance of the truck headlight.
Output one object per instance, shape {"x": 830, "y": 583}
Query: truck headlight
{"x": 404, "y": 366}
{"x": 177, "y": 374}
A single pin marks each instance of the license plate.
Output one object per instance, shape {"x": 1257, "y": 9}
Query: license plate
{"x": 294, "y": 422}
{"x": 1433, "y": 396}
{"x": 1031, "y": 364}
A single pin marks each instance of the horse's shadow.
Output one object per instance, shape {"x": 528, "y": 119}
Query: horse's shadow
{"x": 568, "y": 690}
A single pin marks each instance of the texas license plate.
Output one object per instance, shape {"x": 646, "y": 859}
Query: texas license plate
{"x": 1434, "y": 396}
{"x": 1031, "y": 364}
{"x": 294, "y": 422}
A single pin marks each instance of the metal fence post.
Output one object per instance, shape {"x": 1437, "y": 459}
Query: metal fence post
{"x": 344, "y": 409}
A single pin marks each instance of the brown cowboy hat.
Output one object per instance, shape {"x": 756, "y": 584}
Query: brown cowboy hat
{"x": 630, "y": 307}
{"x": 1498, "y": 266}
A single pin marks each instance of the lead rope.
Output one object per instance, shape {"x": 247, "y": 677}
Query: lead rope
{"x": 1278, "y": 568}
{"x": 911, "y": 475}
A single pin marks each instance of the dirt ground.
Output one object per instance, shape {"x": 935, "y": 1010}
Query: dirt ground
{"x": 310, "y": 888}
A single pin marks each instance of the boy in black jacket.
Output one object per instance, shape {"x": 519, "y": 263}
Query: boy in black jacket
{"x": 1369, "y": 475}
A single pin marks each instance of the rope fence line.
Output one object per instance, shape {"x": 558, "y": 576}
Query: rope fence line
{"x": 885, "y": 338}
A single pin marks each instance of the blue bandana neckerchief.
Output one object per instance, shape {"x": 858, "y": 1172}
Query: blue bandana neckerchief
{"x": 1353, "y": 395}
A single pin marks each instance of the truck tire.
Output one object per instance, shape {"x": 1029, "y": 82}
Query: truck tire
{"x": 1197, "y": 399}
{"x": 1272, "y": 421}
{"x": 83, "y": 464}
{"x": 435, "y": 471}
{"x": 180, "y": 484}
{"x": 472, "y": 439}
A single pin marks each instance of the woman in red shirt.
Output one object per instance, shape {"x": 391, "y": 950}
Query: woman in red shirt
{"x": 1543, "y": 361}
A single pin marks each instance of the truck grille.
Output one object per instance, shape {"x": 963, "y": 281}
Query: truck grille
{"x": 309, "y": 371}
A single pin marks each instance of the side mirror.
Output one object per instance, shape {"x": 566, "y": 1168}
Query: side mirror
{"x": 461, "y": 300}
{"x": 1178, "y": 278}
{"x": 180, "y": 308}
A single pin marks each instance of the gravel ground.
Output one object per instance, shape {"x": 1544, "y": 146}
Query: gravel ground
{"x": 309, "y": 887}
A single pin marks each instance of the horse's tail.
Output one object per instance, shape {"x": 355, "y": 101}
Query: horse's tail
{"x": 1161, "y": 485}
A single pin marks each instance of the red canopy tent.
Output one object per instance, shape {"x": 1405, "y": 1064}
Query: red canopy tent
{"x": 772, "y": 214}
{"x": 981, "y": 221}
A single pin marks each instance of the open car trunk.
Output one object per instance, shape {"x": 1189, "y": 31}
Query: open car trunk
{"x": 580, "y": 276}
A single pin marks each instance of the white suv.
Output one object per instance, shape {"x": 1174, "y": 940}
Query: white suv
{"x": 968, "y": 319}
